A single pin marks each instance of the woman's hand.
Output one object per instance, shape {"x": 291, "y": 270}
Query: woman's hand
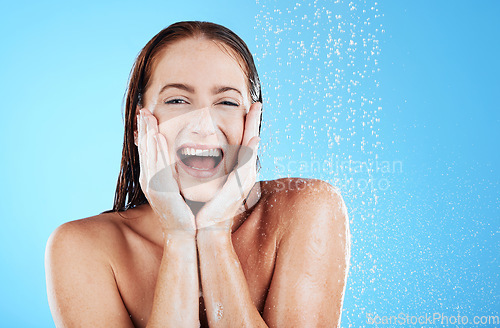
{"x": 157, "y": 180}
{"x": 217, "y": 214}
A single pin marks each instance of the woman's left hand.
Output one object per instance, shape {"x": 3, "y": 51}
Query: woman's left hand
{"x": 217, "y": 214}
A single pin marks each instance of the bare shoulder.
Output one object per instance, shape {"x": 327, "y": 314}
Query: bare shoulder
{"x": 299, "y": 201}
{"x": 87, "y": 234}
{"x": 313, "y": 251}
{"x": 81, "y": 285}
{"x": 299, "y": 187}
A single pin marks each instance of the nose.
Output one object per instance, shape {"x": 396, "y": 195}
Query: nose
{"x": 202, "y": 122}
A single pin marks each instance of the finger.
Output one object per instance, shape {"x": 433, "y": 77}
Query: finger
{"x": 146, "y": 111}
{"x": 142, "y": 133}
{"x": 252, "y": 198}
{"x": 241, "y": 180}
{"x": 247, "y": 155}
{"x": 235, "y": 190}
{"x": 254, "y": 144}
{"x": 163, "y": 154}
{"x": 159, "y": 178}
{"x": 257, "y": 119}
{"x": 163, "y": 157}
{"x": 162, "y": 151}
{"x": 252, "y": 123}
{"x": 151, "y": 120}
{"x": 247, "y": 164}
{"x": 170, "y": 184}
{"x": 142, "y": 145}
{"x": 151, "y": 143}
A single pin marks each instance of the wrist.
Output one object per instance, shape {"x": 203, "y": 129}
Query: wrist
{"x": 213, "y": 224}
{"x": 213, "y": 235}
{"x": 178, "y": 237}
{"x": 180, "y": 247}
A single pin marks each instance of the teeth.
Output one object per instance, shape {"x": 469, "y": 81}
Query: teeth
{"x": 215, "y": 152}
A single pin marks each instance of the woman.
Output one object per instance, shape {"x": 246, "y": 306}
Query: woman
{"x": 199, "y": 240}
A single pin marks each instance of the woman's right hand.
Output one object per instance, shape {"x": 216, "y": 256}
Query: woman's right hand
{"x": 157, "y": 180}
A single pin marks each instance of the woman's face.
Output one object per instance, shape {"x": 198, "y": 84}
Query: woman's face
{"x": 199, "y": 95}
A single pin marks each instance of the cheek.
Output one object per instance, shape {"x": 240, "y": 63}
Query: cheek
{"x": 235, "y": 134}
{"x": 233, "y": 128}
{"x": 170, "y": 129}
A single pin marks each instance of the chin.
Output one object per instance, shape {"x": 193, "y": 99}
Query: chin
{"x": 201, "y": 192}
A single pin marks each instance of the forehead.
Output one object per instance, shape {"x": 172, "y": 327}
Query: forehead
{"x": 199, "y": 61}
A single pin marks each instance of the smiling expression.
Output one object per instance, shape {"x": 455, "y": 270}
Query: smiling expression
{"x": 199, "y": 94}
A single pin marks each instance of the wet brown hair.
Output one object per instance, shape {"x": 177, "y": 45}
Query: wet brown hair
{"x": 128, "y": 192}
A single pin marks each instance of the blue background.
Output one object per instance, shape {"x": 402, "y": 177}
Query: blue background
{"x": 396, "y": 103}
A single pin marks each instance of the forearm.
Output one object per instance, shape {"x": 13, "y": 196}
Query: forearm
{"x": 225, "y": 290}
{"x": 176, "y": 297}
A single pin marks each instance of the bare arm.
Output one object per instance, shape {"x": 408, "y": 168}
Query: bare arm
{"x": 308, "y": 284}
{"x": 225, "y": 289}
{"x": 81, "y": 287}
{"x": 175, "y": 301}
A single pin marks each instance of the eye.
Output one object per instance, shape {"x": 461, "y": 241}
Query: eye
{"x": 175, "y": 101}
{"x": 229, "y": 103}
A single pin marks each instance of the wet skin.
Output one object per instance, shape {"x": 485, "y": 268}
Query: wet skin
{"x": 255, "y": 241}
{"x": 282, "y": 262}
{"x": 126, "y": 252}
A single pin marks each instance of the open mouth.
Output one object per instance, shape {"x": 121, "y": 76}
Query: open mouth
{"x": 200, "y": 159}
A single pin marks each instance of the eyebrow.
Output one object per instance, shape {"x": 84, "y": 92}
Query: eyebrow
{"x": 216, "y": 90}
{"x": 221, "y": 89}
{"x": 177, "y": 86}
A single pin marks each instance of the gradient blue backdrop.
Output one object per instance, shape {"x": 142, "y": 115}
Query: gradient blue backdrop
{"x": 425, "y": 231}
